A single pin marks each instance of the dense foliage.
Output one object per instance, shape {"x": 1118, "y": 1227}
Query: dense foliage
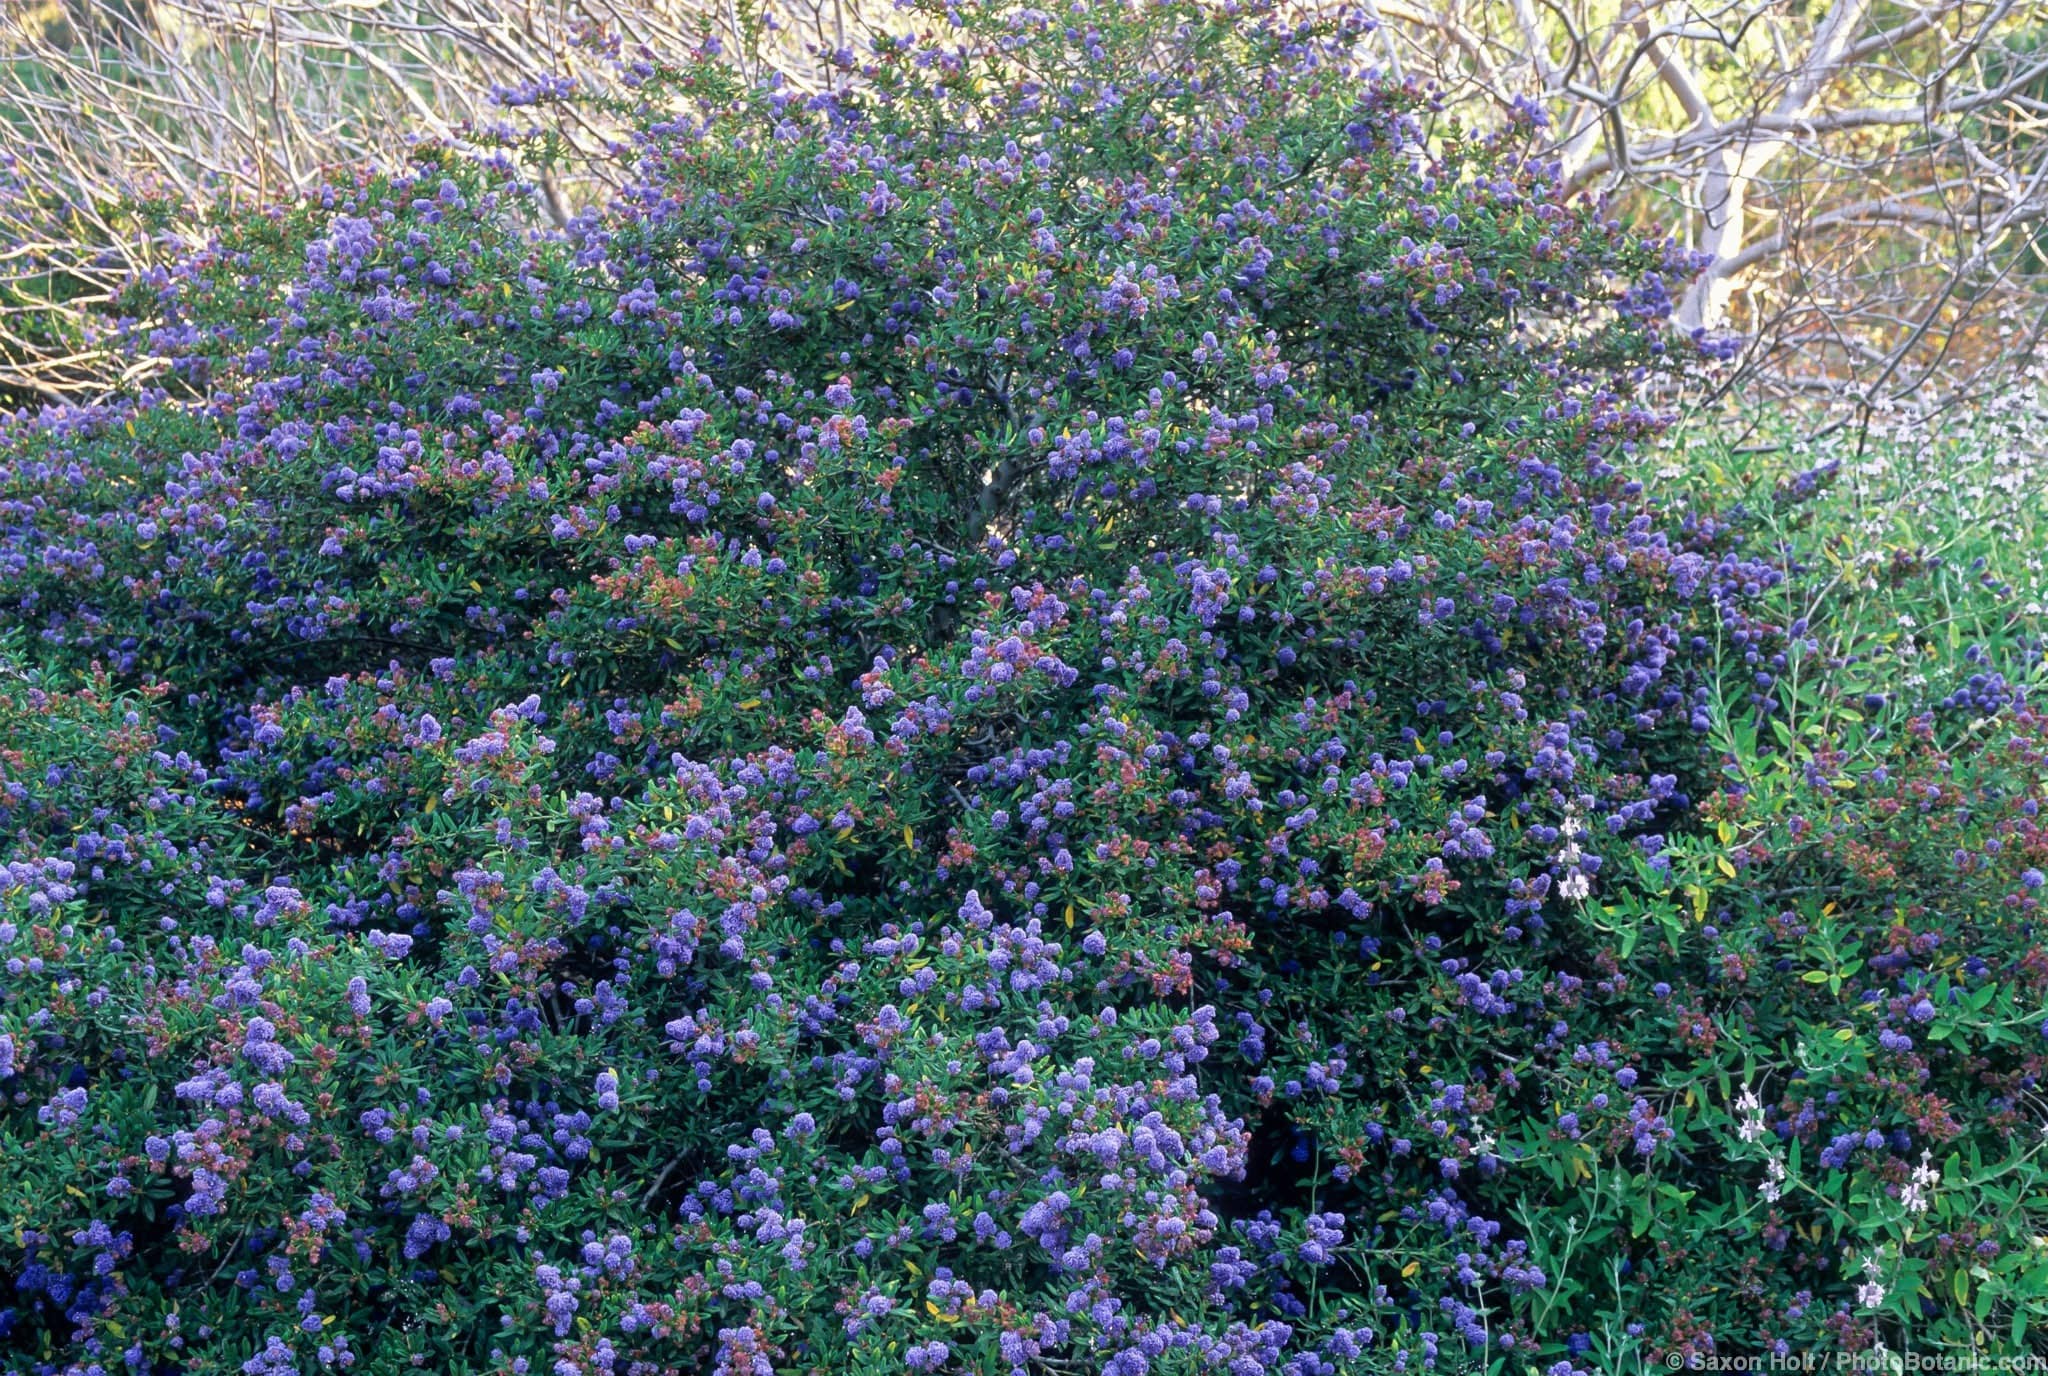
{"x": 1032, "y": 718}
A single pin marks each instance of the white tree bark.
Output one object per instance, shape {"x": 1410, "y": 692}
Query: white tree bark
{"x": 1742, "y": 154}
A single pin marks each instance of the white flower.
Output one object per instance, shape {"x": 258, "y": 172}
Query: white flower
{"x": 1575, "y": 885}
{"x": 1752, "y": 1110}
{"x": 1773, "y": 1188}
{"x": 1925, "y": 1177}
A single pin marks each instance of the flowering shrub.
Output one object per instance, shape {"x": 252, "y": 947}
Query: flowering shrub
{"x": 1025, "y": 719}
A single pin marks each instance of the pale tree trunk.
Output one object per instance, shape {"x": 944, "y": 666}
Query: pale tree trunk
{"x": 1723, "y": 187}
{"x": 1736, "y": 162}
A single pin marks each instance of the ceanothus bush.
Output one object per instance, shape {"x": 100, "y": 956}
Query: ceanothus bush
{"x": 1004, "y": 721}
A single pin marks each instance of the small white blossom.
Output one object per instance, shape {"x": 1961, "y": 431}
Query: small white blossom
{"x": 1752, "y": 1110}
{"x": 1575, "y": 886}
{"x": 1915, "y": 1195}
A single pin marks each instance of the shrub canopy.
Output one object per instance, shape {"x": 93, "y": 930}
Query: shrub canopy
{"x": 1030, "y": 718}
